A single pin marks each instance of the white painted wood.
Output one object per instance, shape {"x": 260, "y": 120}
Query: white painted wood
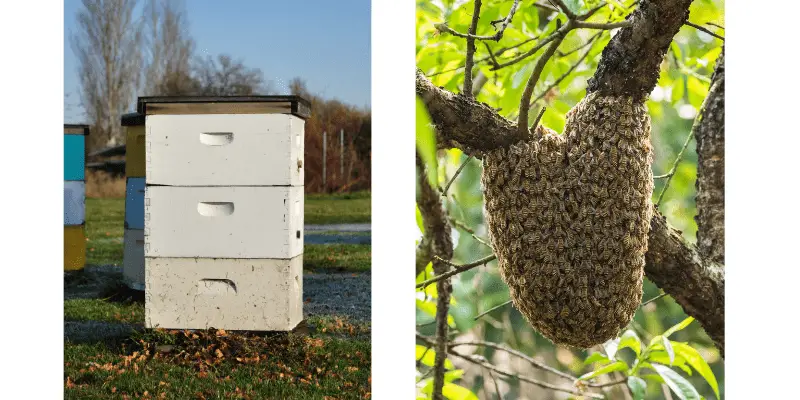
{"x": 224, "y": 222}
{"x": 230, "y": 294}
{"x": 133, "y": 261}
{"x": 225, "y": 150}
{"x": 74, "y": 202}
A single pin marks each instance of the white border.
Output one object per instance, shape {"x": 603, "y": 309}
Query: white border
{"x": 393, "y": 194}
{"x": 32, "y": 172}
{"x": 763, "y": 143}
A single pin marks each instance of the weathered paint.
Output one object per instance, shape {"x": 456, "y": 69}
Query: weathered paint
{"x": 74, "y": 202}
{"x": 74, "y": 157}
{"x": 225, "y": 150}
{"x": 228, "y": 222}
{"x": 133, "y": 261}
{"x": 231, "y": 294}
{"x": 74, "y": 248}
{"x": 134, "y": 203}
{"x": 134, "y": 151}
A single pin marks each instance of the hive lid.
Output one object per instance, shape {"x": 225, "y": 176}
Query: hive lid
{"x": 132, "y": 119}
{"x": 294, "y": 105}
{"x": 76, "y": 129}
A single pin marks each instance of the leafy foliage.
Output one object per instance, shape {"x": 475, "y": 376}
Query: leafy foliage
{"x": 685, "y": 351}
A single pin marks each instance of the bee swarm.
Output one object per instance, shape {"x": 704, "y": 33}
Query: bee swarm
{"x": 569, "y": 217}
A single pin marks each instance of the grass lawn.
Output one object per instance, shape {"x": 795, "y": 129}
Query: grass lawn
{"x": 329, "y": 361}
{"x": 338, "y": 208}
{"x": 333, "y": 360}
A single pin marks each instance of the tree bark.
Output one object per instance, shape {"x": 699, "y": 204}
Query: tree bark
{"x": 438, "y": 242}
{"x": 710, "y": 136}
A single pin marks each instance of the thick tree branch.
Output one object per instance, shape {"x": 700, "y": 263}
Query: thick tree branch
{"x": 437, "y": 234}
{"x": 697, "y": 285}
{"x": 710, "y": 132}
{"x": 630, "y": 62}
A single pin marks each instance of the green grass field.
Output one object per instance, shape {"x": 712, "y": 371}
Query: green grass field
{"x": 331, "y": 360}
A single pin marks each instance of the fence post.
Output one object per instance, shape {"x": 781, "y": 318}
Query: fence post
{"x": 324, "y": 161}
{"x": 341, "y": 157}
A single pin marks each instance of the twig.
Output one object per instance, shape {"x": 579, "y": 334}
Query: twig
{"x": 557, "y": 33}
{"x": 458, "y": 171}
{"x": 514, "y": 376}
{"x": 469, "y": 62}
{"x": 546, "y": 7}
{"x": 471, "y": 35}
{"x": 524, "y": 105}
{"x": 538, "y": 118}
{"x": 652, "y": 300}
{"x": 458, "y": 269}
{"x": 715, "y": 25}
{"x": 569, "y": 71}
{"x": 592, "y": 11}
{"x": 496, "y": 386}
{"x": 533, "y": 362}
{"x": 497, "y": 307}
{"x": 588, "y": 42}
{"x": 601, "y": 25}
{"x": 607, "y": 384}
{"x": 565, "y": 9}
{"x": 461, "y": 225}
{"x": 704, "y": 29}
{"x": 671, "y": 172}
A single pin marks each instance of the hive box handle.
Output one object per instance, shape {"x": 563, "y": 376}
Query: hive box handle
{"x": 216, "y": 286}
{"x": 216, "y": 138}
{"x": 214, "y": 209}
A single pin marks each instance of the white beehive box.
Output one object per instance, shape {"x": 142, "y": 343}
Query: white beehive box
{"x": 225, "y": 150}
{"x": 258, "y": 294}
{"x": 133, "y": 261}
{"x": 224, "y": 222}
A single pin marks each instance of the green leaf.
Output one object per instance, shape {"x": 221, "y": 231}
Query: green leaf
{"x": 678, "y": 384}
{"x": 661, "y": 357}
{"x": 454, "y": 392}
{"x": 426, "y": 141}
{"x": 430, "y": 308}
{"x": 638, "y": 387}
{"x": 630, "y": 340}
{"x": 574, "y": 5}
{"x": 427, "y": 356}
{"x": 611, "y": 347}
{"x": 668, "y": 349}
{"x": 613, "y": 367}
{"x": 596, "y": 357}
{"x": 420, "y": 225}
{"x": 679, "y": 326}
{"x": 451, "y": 376}
{"x": 697, "y": 362}
{"x": 653, "y": 378}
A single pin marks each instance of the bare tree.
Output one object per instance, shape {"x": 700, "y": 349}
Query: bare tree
{"x": 168, "y": 70}
{"x": 108, "y": 47}
{"x": 225, "y": 76}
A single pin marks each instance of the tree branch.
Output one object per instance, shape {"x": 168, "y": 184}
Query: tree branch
{"x": 471, "y": 35}
{"x": 437, "y": 233}
{"x": 630, "y": 62}
{"x": 476, "y": 361}
{"x": 710, "y": 133}
{"x": 469, "y": 62}
{"x": 698, "y": 285}
{"x": 525, "y": 102}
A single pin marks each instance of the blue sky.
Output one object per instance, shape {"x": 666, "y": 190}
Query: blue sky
{"x": 327, "y": 43}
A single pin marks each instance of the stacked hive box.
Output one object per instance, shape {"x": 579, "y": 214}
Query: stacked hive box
{"x": 224, "y": 212}
{"x": 74, "y": 196}
{"x": 133, "y": 261}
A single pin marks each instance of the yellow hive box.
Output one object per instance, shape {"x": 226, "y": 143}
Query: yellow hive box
{"x": 134, "y": 145}
{"x": 74, "y": 248}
